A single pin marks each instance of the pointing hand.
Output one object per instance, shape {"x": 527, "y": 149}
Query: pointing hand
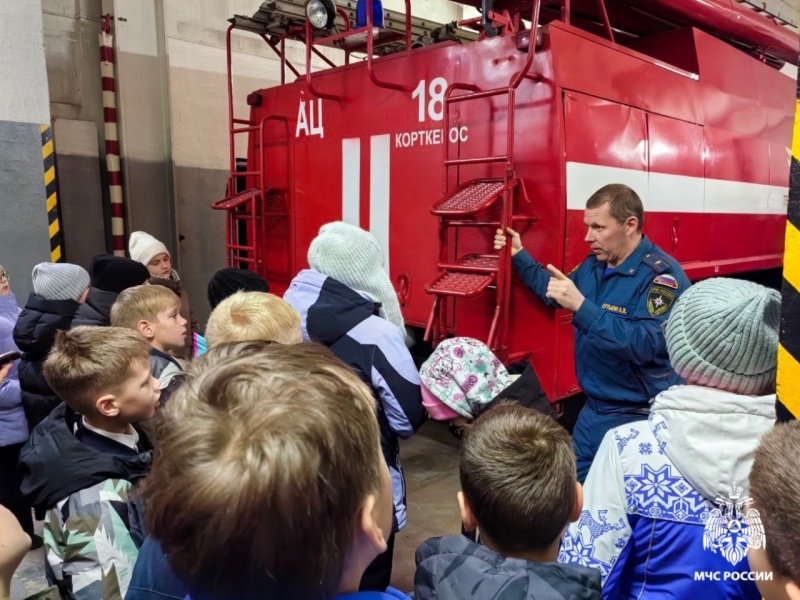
{"x": 561, "y": 289}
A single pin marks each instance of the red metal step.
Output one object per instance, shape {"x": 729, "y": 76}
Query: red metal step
{"x": 474, "y": 263}
{"x": 236, "y": 200}
{"x": 461, "y": 285}
{"x": 470, "y": 198}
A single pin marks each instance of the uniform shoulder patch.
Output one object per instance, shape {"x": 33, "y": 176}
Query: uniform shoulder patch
{"x": 659, "y": 300}
{"x": 666, "y": 280}
{"x": 657, "y": 263}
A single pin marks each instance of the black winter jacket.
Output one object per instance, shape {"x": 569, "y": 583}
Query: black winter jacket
{"x": 525, "y": 391}
{"x": 34, "y": 335}
{"x": 55, "y": 463}
{"x": 96, "y": 311}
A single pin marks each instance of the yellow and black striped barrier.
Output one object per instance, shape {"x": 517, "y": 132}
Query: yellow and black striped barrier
{"x": 49, "y": 158}
{"x": 788, "y": 406}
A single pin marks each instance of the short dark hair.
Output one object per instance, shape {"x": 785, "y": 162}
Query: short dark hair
{"x": 775, "y": 488}
{"x": 624, "y": 202}
{"x": 518, "y": 476}
{"x": 262, "y": 466}
{"x": 88, "y": 362}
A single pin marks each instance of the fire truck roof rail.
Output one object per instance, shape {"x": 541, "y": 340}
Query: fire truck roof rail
{"x": 285, "y": 18}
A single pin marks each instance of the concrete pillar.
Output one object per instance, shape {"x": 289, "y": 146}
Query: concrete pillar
{"x": 24, "y": 108}
{"x": 71, "y": 29}
{"x": 144, "y": 117}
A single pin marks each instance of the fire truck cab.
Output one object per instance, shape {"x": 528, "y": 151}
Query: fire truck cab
{"x": 432, "y": 136}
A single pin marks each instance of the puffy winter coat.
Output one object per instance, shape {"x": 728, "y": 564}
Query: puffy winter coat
{"x": 13, "y": 425}
{"x": 34, "y": 335}
{"x": 96, "y": 310}
{"x": 347, "y": 322}
{"x": 454, "y": 568}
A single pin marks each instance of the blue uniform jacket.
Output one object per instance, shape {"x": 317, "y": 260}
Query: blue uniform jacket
{"x": 620, "y": 351}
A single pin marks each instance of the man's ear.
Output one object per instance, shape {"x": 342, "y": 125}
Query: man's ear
{"x": 107, "y": 405}
{"x": 145, "y": 329}
{"x": 369, "y": 527}
{"x": 467, "y": 516}
{"x": 578, "y": 506}
{"x": 631, "y": 225}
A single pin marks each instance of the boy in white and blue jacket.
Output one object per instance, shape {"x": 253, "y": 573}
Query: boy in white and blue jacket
{"x": 667, "y": 513}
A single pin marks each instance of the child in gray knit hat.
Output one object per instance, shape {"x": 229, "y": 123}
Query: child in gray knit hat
{"x": 60, "y": 281}
{"x": 58, "y": 291}
{"x": 672, "y": 491}
{"x": 353, "y": 257}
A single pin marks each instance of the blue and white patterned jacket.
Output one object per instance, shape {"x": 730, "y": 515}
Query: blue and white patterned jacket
{"x": 663, "y": 513}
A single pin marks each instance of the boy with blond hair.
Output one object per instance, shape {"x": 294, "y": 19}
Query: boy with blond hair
{"x": 247, "y": 316}
{"x": 274, "y": 460}
{"x": 519, "y": 490}
{"x": 83, "y": 461}
{"x": 775, "y": 489}
{"x": 154, "y": 311}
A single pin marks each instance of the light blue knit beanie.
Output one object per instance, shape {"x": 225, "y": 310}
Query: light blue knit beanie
{"x": 353, "y": 257}
{"x": 59, "y": 281}
{"x": 723, "y": 333}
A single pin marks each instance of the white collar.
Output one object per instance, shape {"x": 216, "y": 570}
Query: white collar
{"x": 129, "y": 439}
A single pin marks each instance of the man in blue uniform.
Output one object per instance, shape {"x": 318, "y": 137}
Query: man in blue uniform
{"x": 619, "y": 296}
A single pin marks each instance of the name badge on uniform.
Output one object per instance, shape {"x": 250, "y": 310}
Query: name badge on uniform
{"x": 620, "y": 310}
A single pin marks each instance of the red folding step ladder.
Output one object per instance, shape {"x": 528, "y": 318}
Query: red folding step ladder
{"x": 468, "y": 276}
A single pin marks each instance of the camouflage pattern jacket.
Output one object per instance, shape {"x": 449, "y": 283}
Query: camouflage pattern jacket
{"x": 94, "y": 523}
{"x": 454, "y": 568}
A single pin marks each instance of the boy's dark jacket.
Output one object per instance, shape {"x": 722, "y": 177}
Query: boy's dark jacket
{"x": 454, "y": 568}
{"x": 94, "y": 525}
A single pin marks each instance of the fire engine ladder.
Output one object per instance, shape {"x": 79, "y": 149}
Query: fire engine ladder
{"x": 474, "y": 274}
{"x": 247, "y": 210}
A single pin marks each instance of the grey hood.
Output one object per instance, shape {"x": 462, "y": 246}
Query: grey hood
{"x": 711, "y": 435}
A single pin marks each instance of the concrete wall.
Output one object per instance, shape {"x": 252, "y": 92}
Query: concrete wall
{"x": 144, "y": 117}
{"x": 24, "y": 108}
{"x": 79, "y": 188}
{"x": 73, "y": 68}
{"x": 71, "y": 29}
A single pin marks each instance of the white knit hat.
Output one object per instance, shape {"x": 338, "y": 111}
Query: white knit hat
{"x": 723, "y": 333}
{"x": 59, "y": 281}
{"x": 143, "y": 247}
{"x": 353, "y": 257}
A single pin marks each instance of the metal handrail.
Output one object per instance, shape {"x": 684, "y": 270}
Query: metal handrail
{"x": 500, "y": 318}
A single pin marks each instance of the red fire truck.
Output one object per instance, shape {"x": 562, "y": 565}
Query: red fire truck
{"x": 431, "y": 136}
